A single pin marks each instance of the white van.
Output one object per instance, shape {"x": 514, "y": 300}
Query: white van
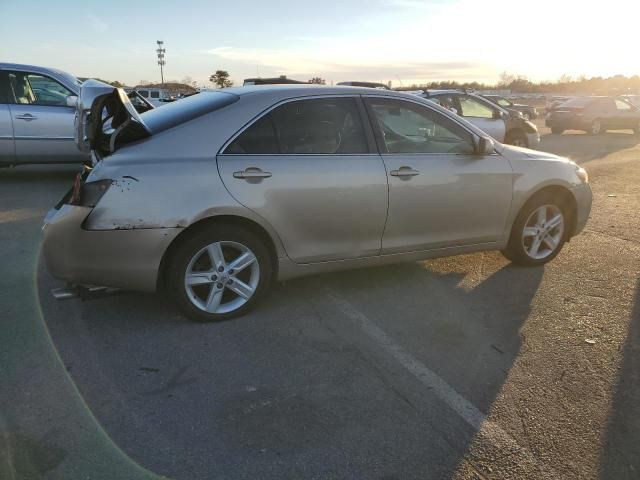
{"x": 155, "y": 96}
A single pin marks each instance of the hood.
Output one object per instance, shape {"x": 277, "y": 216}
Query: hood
{"x": 521, "y": 153}
{"x": 105, "y": 118}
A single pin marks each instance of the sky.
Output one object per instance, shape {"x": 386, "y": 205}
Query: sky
{"x": 403, "y": 41}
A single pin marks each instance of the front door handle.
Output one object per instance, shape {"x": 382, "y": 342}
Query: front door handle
{"x": 26, "y": 116}
{"x": 251, "y": 172}
{"x": 404, "y": 172}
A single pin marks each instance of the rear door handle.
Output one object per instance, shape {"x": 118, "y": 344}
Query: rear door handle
{"x": 251, "y": 172}
{"x": 26, "y": 116}
{"x": 404, "y": 172}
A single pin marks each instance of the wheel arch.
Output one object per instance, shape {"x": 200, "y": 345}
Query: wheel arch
{"x": 568, "y": 201}
{"x": 212, "y": 221}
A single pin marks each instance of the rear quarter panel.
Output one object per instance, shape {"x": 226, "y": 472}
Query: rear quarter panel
{"x": 171, "y": 179}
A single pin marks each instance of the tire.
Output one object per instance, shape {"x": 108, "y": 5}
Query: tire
{"x": 214, "y": 294}
{"x": 557, "y": 130}
{"x": 596, "y": 128}
{"x": 517, "y": 138}
{"x": 528, "y": 229}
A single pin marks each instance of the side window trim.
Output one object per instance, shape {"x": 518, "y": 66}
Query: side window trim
{"x": 382, "y": 147}
{"x": 363, "y": 120}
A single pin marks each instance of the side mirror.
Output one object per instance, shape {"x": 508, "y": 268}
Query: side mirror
{"x": 498, "y": 114}
{"x": 72, "y": 101}
{"x": 485, "y": 146}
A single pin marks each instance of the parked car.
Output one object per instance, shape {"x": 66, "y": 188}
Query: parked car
{"x": 594, "y": 115}
{"x": 487, "y": 116}
{"x": 37, "y": 110}
{"x": 281, "y": 80}
{"x": 527, "y": 111}
{"x": 216, "y": 196}
{"x": 37, "y": 107}
{"x": 156, "y": 96}
{"x": 556, "y": 101}
{"x": 359, "y": 83}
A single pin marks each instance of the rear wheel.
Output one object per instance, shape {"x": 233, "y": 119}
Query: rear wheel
{"x": 557, "y": 130}
{"x": 596, "y": 128}
{"x": 219, "y": 273}
{"x": 539, "y": 232}
{"x": 517, "y": 138}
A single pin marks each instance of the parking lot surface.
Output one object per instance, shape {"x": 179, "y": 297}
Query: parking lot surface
{"x": 456, "y": 368}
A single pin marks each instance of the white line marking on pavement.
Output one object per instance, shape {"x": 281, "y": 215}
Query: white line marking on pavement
{"x": 466, "y": 410}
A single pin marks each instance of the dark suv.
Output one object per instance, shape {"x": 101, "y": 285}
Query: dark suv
{"x": 594, "y": 115}
{"x": 528, "y": 112}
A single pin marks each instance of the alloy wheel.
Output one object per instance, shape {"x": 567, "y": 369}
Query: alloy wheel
{"x": 222, "y": 277}
{"x": 543, "y": 232}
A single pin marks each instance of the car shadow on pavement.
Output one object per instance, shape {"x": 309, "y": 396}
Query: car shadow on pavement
{"x": 621, "y": 450}
{"x": 296, "y": 389}
{"x": 591, "y": 147}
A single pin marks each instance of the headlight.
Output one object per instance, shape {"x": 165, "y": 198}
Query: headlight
{"x": 582, "y": 174}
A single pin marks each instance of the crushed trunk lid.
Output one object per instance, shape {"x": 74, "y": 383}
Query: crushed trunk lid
{"x": 106, "y": 119}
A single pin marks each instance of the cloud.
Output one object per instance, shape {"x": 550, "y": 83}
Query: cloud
{"x": 96, "y": 23}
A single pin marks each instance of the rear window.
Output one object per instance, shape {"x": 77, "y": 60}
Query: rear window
{"x": 182, "y": 111}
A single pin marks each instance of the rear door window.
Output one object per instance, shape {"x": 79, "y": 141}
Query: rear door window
{"x": 155, "y": 94}
{"x": 312, "y": 127}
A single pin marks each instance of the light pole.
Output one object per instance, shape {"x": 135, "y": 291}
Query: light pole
{"x": 161, "y": 61}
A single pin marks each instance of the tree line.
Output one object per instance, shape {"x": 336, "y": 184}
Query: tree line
{"x": 618, "y": 84}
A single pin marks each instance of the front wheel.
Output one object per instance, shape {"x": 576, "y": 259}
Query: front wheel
{"x": 219, "y": 273}
{"x": 596, "y": 128}
{"x": 539, "y": 232}
{"x": 517, "y": 138}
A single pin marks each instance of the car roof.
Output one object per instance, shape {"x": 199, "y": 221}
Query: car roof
{"x": 311, "y": 89}
{"x": 31, "y": 68}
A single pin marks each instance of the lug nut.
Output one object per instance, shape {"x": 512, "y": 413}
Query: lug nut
{"x": 219, "y": 285}
{"x": 214, "y": 277}
{"x": 221, "y": 269}
{"x": 231, "y": 272}
{"x": 230, "y": 282}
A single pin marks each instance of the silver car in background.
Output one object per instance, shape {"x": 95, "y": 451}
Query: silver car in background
{"x": 37, "y": 109}
{"x": 213, "y": 198}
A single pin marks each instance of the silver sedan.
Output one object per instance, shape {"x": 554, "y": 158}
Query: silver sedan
{"x": 213, "y": 198}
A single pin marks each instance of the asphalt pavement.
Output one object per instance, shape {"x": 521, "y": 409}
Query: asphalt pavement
{"x": 456, "y": 368}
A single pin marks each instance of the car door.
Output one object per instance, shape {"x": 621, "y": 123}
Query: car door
{"x": 42, "y": 120}
{"x": 487, "y": 118}
{"x": 441, "y": 194}
{"x": 309, "y": 168}
{"x": 7, "y": 148}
